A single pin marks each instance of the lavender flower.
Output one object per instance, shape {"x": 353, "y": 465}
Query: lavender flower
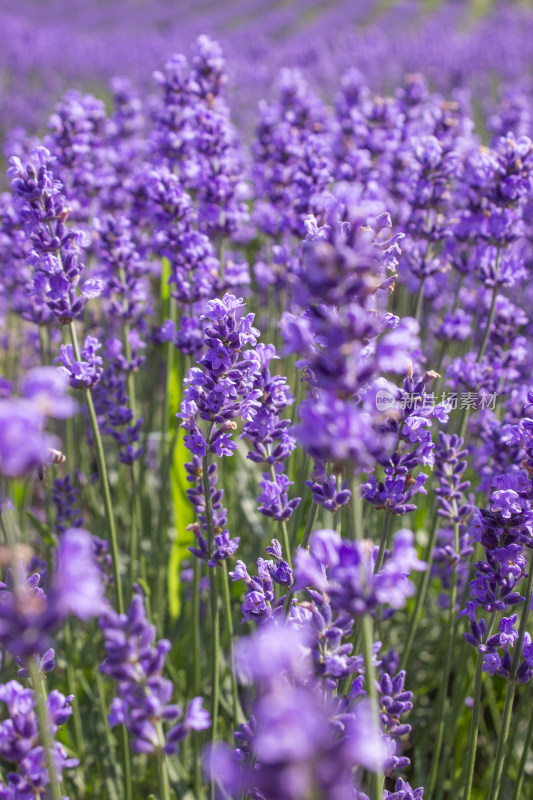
{"x": 29, "y": 615}
{"x": 143, "y": 697}
{"x": 54, "y": 256}
{"x": 21, "y": 743}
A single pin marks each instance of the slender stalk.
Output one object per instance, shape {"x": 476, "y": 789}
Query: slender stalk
{"x": 484, "y": 341}
{"x": 356, "y": 508}
{"x": 313, "y": 510}
{"x": 304, "y": 544}
{"x": 443, "y": 691}
{"x": 197, "y": 674}
{"x": 358, "y": 633}
{"x": 213, "y": 596}
{"x": 126, "y": 765}
{"x": 164, "y": 783}
{"x": 511, "y": 689}
{"x": 523, "y": 758}
{"x": 368, "y": 641}
{"x": 284, "y": 531}
{"x": 197, "y": 679}
{"x": 419, "y": 299}
{"x": 104, "y": 481}
{"x": 229, "y": 630}
{"x": 109, "y": 739}
{"x": 460, "y": 691}
{"x": 44, "y": 727}
{"x": 71, "y": 681}
{"x": 421, "y": 593}
{"x": 384, "y": 540}
{"x": 488, "y": 326}
{"x": 474, "y": 724}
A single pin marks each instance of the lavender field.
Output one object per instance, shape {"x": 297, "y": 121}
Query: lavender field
{"x": 266, "y": 400}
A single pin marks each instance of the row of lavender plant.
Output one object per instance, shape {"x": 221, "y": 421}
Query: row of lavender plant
{"x": 266, "y": 446}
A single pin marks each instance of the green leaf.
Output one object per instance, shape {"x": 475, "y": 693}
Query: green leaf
{"x": 43, "y": 530}
{"x": 182, "y": 511}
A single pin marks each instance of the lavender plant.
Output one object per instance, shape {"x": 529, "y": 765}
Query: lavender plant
{"x": 276, "y": 359}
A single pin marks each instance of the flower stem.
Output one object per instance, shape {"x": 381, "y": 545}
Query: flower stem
{"x": 421, "y": 593}
{"x": 384, "y": 540}
{"x": 215, "y": 621}
{"x": 197, "y": 674}
{"x": 104, "y": 481}
{"x": 237, "y": 715}
{"x": 164, "y": 783}
{"x": 419, "y": 299}
{"x": 523, "y": 758}
{"x": 71, "y": 682}
{"x": 443, "y": 692}
{"x": 474, "y": 724}
{"x": 304, "y": 544}
{"x": 44, "y": 727}
{"x": 511, "y": 689}
{"x": 356, "y": 508}
{"x": 126, "y": 765}
{"x": 284, "y": 531}
{"x": 313, "y": 510}
{"x": 368, "y": 641}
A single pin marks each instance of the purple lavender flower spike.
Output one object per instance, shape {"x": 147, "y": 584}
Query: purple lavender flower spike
{"x": 29, "y": 616}
{"x": 21, "y": 744}
{"x": 143, "y": 701}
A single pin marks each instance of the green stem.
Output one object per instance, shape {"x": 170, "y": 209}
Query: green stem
{"x": 421, "y": 593}
{"x": 197, "y": 674}
{"x": 419, "y": 299}
{"x": 284, "y": 531}
{"x": 44, "y": 727}
{"x": 474, "y": 724}
{"x": 213, "y": 596}
{"x": 484, "y": 341}
{"x": 511, "y": 689}
{"x": 304, "y": 544}
{"x": 104, "y": 481}
{"x": 126, "y": 765}
{"x": 486, "y": 333}
{"x": 164, "y": 783}
{"x": 313, "y": 510}
{"x": 523, "y": 758}
{"x": 71, "y": 681}
{"x": 384, "y": 540}
{"x": 355, "y": 508}
{"x": 443, "y": 691}
{"x": 229, "y": 630}
{"x": 368, "y": 654}
{"x": 460, "y": 691}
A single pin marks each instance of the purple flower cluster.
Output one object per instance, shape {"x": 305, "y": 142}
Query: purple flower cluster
{"x": 346, "y": 342}
{"x": 220, "y": 389}
{"x": 143, "y": 700}
{"x": 21, "y": 744}
{"x": 292, "y": 165}
{"x": 505, "y": 531}
{"x": 299, "y": 737}
{"x": 29, "y": 615}
{"x": 85, "y": 372}
{"x": 272, "y": 441}
{"x": 54, "y": 253}
{"x": 344, "y": 571}
{"x": 260, "y": 603}
{"x": 24, "y": 443}
{"x": 411, "y": 426}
